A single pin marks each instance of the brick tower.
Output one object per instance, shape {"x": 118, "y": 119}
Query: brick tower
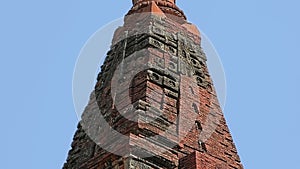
{"x": 154, "y": 104}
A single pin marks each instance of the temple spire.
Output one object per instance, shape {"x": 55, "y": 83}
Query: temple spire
{"x": 154, "y": 105}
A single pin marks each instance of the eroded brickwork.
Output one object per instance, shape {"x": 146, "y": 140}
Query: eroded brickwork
{"x": 155, "y": 92}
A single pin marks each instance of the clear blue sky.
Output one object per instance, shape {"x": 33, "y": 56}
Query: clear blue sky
{"x": 258, "y": 42}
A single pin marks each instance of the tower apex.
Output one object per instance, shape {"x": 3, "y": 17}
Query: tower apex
{"x": 170, "y": 1}
{"x": 166, "y": 6}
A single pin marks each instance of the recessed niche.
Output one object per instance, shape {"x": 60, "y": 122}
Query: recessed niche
{"x": 198, "y": 125}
